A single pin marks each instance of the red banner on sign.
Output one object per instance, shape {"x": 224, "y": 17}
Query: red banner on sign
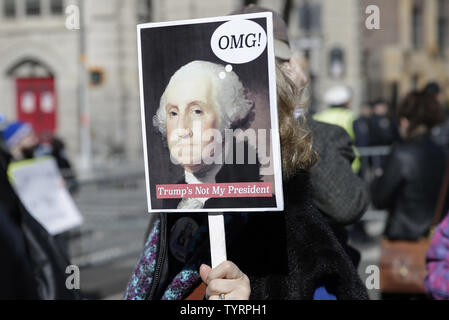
{"x": 215, "y": 190}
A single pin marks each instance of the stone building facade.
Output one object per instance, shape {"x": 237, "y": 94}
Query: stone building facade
{"x": 37, "y": 49}
{"x": 410, "y": 50}
{"x": 329, "y": 31}
{"x": 35, "y": 43}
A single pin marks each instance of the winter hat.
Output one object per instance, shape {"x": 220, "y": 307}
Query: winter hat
{"x": 337, "y": 95}
{"x": 15, "y": 132}
{"x": 2, "y": 122}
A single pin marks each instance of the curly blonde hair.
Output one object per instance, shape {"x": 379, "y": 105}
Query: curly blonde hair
{"x": 296, "y": 138}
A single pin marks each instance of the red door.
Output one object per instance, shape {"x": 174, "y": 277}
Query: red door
{"x": 37, "y": 104}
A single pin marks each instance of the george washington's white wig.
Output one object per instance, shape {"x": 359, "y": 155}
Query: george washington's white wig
{"x": 228, "y": 94}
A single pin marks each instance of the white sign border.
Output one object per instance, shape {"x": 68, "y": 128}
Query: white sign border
{"x": 277, "y": 167}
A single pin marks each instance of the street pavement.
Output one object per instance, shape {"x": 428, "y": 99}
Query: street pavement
{"x": 106, "y": 247}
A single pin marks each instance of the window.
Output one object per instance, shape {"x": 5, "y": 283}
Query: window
{"x": 415, "y": 82}
{"x": 96, "y": 76}
{"x": 9, "y": 8}
{"x": 394, "y": 97}
{"x": 144, "y": 11}
{"x": 417, "y": 25}
{"x": 443, "y": 25}
{"x": 248, "y": 2}
{"x": 310, "y": 17}
{"x": 336, "y": 63}
{"x": 33, "y": 7}
{"x": 56, "y": 7}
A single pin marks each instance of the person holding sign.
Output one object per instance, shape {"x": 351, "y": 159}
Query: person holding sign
{"x": 275, "y": 256}
{"x": 32, "y": 264}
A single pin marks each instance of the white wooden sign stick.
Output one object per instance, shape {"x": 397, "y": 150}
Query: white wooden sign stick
{"x": 217, "y": 239}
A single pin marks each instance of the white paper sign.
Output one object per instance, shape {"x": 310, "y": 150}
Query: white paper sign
{"x": 205, "y": 85}
{"x": 41, "y": 189}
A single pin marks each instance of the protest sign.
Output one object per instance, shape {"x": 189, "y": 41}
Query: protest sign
{"x": 41, "y": 189}
{"x": 209, "y": 115}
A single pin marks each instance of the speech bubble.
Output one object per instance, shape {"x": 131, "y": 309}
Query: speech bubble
{"x": 239, "y": 41}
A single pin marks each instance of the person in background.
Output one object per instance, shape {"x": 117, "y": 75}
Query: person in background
{"x": 383, "y": 130}
{"x": 436, "y": 282}
{"x": 340, "y": 194}
{"x": 195, "y": 102}
{"x": 3, "y": 146}
{"x": 58, "y": 152}
{"x": 16, "y": 275}
{"x": 23, "y": 144}
{"x": 408, "y": 184}
{"x": 338, "y": 99}
{"x": 362, "y": 127}
{"x": 362, "y": 134}
{"x": 440, "y": 133}
{"x": 337, "y": 191}
{"x": 21, "y": 140}
{"x": 32, "y": 265}
{"x": 434, "y": 89}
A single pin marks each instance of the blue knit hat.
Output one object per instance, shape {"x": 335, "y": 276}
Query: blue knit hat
{"x": 2, "y": 124}
{"x": 15, "y": 132}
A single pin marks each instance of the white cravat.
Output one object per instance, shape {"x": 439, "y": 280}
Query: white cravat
{"x": 204, "y": 178}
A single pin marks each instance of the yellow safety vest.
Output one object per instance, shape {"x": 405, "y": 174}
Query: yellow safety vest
{"x": 344, "y": 118}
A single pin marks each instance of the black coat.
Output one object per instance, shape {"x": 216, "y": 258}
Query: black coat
{"x": 286, "y": 255}
{"x": 409, "y": 187}
{"x": 337, "y": 191}
{"x": 295, "y": 252}
{"x": 16, "y": 276}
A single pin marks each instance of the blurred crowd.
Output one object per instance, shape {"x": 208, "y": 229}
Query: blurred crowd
{"x": 402, "y": 158}
{"x": 393, "y": 160}
{"x": 20, "y": 142}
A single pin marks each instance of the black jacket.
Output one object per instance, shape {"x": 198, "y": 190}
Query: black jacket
{"x": 409, "y": 187}
{"x": 337, "y": 191}
{"x": 286, "y": 255}
{"x": 295, "y": 252}
{"x": 16, "y": 276}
